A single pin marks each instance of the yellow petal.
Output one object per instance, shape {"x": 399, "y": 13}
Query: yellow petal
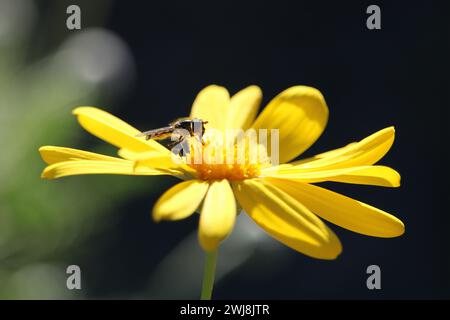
{"x": 365, "y": 152}
{"x": 369, "y": 175}
{"x": 132, "y": 155}
{"x": 152, "y": 159}
{"x": 300, "y": 113}
{"x": 70, "y": 168}
{"x": 243, "y": 108}
{"x": 157, "y": 160}
{"x": 334, "y": 152}
{"x": 217, "y": 216}
{"x": 114, "y": 131}
{"x": 52, "y": 154}
{"x": 343, "y": 211}
{"x": 180, "y": 201}
{"x": 211, "y": 104}
{"x": 286, "y": 219}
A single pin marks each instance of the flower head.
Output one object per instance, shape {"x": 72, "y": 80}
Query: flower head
{"x": 225, "y": 170}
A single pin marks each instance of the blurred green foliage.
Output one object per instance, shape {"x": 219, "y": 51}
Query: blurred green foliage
{"x": 41, "y": 221}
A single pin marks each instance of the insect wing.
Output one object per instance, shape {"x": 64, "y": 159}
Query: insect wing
{"x": 160, "y": 133}
{"x": 178, "y": 120}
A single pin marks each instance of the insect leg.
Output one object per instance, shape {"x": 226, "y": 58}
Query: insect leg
{"x": 175, "y": 142}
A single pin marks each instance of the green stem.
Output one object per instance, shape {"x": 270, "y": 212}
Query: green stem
{"x": 208, "y": 275}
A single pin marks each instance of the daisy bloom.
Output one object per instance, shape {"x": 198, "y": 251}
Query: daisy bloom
{"x": 283, "y": 199}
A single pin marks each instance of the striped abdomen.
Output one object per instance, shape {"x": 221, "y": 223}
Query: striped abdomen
{"x": 158, "y": 134}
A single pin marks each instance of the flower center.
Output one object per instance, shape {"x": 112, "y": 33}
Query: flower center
{"x": 218, "y": 159}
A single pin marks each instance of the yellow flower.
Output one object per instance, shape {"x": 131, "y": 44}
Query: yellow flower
{"x": 282, "y": 199}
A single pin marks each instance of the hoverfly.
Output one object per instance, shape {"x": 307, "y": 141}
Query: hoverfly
{"x": 194, "y": 126}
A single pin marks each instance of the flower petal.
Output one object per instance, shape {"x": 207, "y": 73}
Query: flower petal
{"x": 243, "y": 108}
{"x": 343, "y": 211}
{"x": 53, "y": 154}
{"x": 70, "y": 168}
{"x": 114, "y": 131}
{"x": 334, "y": 152}
{"x": 365, "y": 152}
{"x": 286, "y": 219}
{"x": 300, "y": 113}
{"x": 211, "y": 104}
{"x": 180, "y": 201}
{"x": 369, "y": 175}
{"x": 218, "y": 215}
{"x": 132, "y": 155}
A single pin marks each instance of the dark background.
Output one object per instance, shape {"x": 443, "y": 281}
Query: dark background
{"x": 371, "y": 79}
